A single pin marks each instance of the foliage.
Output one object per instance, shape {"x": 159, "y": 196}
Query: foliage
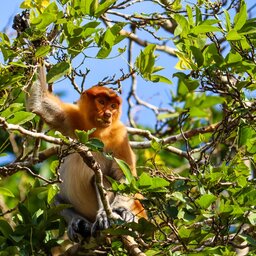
{"x": 196, "y": 162}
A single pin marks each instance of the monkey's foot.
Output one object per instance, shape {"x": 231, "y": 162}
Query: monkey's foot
{"x": 78, "y": 227}
{"x": 126, "y": 215}
{"x": 119, "y": 214}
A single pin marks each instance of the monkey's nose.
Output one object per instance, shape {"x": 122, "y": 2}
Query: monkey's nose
{"x": 107, "y": 114}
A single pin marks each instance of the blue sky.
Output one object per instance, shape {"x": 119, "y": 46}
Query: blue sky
{"x": 158, "y": 94}
{"x": 8, "y": 8}
{"x": 153, "y": 93}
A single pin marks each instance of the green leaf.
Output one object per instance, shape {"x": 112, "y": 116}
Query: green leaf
{"x": 197, "y": 53}
{"x": 87, "y": 7}
{"x": 9, "y": 112}
{"x": 146, "y": 60}
{"x": 182, "y": 88}
{"x": 52, "y": 8}
{"x": 44, "y": 20}
{"x": 82, "y": 136}
{"x": 145, "y": 180}
{"x": 26, "y": 4}
{"x": 249, "y": 27}
{"x": 155, "y": 184}
{"x": 126, "y": 169}
{"x": 211, "y": 101}
{"x": 245, "y": 133}
{"x": 109, "y": 39}
{"x": 54, "y": 165}
{"x": 18, "y": 64}
{"x": 185, "y": 232}
{"x": 152, "y": 252}
{"x": 186, "y": 84}
{"x": 143, "y": 226}
{"x": 17, "y": 239}
{"x": 203, "y": 29}
{"x": 21, "y": 117}
{"x": 26, "y": 216}
{"x": 59, "y": 135}
{"x": 157, "y": 146}
{"x": 179, "y": 196}
{"x": 103, "y": 7}
{"x": 206, "y": 200}
{"x": 95, "y": 144}
{"x": 233, "y": 57}
{"x": 228, "y": 22}
{"x": 6, "y": 192}
{"x": 104, "y": 52}
{"x": 57, "y": 71}
{"x": 158, "y": 182}
{"x": 241, "y": 181}
{"x": 241, "y": 16}
{"x": 251, "y": 145}
{"x": 42, "y": 51}
{"x": 190, "y": 15}
{"x": 52, "y": 192}
{"x": 167, "y": 115}
{"x": 161, "y": 79}
{"x": 5, "y": 53}
{"x": 197, "y": 112}
{"x": 93, "y": 7}
{"x": 250, "y": 240}
{"x": 145, "y": 63}
{"x": 5, "y": 228}
{"x": 183, "y": 25}
{"x": 198, "y": 15}
{"x": 233, "y": 35}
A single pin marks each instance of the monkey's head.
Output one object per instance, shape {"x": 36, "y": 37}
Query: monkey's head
{"x": 102, "y": 105}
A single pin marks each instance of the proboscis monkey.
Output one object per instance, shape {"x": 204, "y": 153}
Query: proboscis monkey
{"x": 100, "y": 108}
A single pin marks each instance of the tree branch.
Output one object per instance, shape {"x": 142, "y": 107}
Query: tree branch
{"x": 168, "y": 140}
{"x": 89, "y": 160}
{"x": 136, "y": 39}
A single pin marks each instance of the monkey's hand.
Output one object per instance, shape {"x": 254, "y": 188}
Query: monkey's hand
{"x": 126, "y": 215}
{"x": 77, "y": 227}
{"x": 120, "y": 215}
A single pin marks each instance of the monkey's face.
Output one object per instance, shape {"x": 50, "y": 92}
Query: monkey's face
{"x": 107, "y": 111}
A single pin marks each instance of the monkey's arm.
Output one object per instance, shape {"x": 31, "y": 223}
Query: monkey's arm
{"x": 53, "y": 111}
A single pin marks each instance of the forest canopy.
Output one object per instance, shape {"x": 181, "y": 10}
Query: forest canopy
{"x": 186, "y": 71}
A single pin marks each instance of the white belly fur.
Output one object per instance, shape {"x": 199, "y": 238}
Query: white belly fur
{"x": 77, "y": 186}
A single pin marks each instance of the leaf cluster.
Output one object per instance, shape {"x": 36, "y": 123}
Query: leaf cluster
{"x": 196, "y": 163}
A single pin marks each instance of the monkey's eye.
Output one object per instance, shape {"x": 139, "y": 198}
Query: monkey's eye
{"x": 101, "y": 101}
{"x": 114, "y": 105}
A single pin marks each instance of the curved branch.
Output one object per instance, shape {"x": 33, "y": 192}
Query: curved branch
{"x": 89, "y": 160}
{"x": 15, "y": 127}
{"x": 168, "y": 140}
{"x": 14, "y": 167}
{"x": 136, "y": 39}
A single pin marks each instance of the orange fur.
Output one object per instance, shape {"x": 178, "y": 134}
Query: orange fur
{"x": 105, "y": 117}
{"x": 100, "y": 108}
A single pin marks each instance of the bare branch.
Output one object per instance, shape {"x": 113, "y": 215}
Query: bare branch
{"x": 136, "y": 39}
{"x": 168, "y": 140}
{"x": 14, "y": 127}
{"x": 88, "y": 158}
